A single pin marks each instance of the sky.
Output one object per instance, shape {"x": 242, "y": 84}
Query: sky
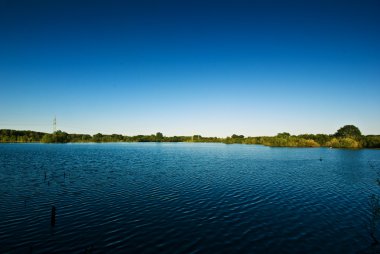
{"x": 213, "y": 68}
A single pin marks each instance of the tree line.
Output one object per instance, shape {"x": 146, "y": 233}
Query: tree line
{"x": 348, "y": 136}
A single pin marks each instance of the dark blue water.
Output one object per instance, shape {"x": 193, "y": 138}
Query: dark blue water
{"x": 185, "y": 198}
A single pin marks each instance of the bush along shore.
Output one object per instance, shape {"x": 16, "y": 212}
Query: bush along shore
{"x": 348, "y": 136}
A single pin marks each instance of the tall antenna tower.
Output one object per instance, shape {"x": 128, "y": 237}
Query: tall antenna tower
{"x": 54, "y": 125}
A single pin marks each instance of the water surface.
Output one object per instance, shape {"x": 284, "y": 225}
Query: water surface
{"x": 185, "y": 198}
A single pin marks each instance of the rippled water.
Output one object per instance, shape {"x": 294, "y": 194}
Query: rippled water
{"x": 185, "y": 198}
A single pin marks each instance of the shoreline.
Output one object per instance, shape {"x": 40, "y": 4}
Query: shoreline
{"x": 166, "y": 142}
{"x": 348, "y": 136}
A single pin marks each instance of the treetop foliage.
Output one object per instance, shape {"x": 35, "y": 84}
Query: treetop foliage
{"x": 348, "y": 136}
{"x": 348, "y": 131}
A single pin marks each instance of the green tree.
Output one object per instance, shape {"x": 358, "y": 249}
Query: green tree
{"x": 47, "y": 138}
{"x": 196, "y": 138}
{"x": 61, "y": 137}
{"x": 343, "y": 143}
{"x": 283, "y": 135}
{"x": 97, "y": 137}
{"x": 372, "y": 141}
{"x": 237, "y": 136}
{"x": 159, "y": 137}
{"x": 348, "y": 131}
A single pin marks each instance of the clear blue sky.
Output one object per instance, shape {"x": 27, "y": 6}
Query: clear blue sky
{"x": 213, "y": 68}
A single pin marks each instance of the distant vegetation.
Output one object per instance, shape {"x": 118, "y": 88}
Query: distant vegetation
{"x": 348, "y": 136}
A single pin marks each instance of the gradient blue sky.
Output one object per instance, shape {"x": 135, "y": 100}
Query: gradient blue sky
{"x": 190, "y": 67}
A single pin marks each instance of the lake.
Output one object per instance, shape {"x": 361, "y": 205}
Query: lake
{"x": 185, "y": 198}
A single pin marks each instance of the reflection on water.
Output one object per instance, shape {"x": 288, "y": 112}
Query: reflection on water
{"x": 181, "y": 198}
